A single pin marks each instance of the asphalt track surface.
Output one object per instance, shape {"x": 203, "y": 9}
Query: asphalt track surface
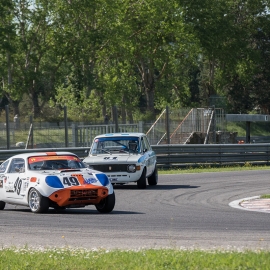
{"x": 185, "y": 211}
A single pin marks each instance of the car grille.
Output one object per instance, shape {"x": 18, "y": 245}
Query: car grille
{"x": 83, "y": 194}
{"x": 110, "y": 167}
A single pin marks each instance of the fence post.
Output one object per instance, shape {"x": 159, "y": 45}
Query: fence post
{"x": 167, "y": 125}
{"x": 74, "y": 135}
{"x": 140, "y": 126}
{"x": 66, "y": 126}
{"x": 7, "y": 126}
{"x": 31, "y": 132}
{"x": 214, "y": 126}
{"x": 115, "y": 118}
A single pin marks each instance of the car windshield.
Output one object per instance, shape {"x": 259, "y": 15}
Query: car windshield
{"x": 109, "y": 145}
{"x": 55, "y": 162}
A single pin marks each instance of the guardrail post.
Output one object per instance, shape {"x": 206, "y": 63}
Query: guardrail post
{"x": 7, "y": 126}
{"x": 248, "y": 132}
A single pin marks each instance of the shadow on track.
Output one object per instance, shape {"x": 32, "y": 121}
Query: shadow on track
{"x": 157, "y": 187}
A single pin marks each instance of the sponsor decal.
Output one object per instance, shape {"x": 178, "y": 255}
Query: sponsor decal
{"x": 90, "y": 181}
{"x": 9, "y": 187}
{"x": 25, "y": 185}
{"x": 1, "y": 183}
{"x": 111, "y": 158}
{"x": 42, "y": 158}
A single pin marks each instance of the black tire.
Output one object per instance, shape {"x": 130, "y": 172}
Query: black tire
{"x": 106, "y": 205}
{"x": 2, "y": 205}
{"x": 37, "y": 202}
{"x": 153, "y": 178}
{"x": 141, "y": 183}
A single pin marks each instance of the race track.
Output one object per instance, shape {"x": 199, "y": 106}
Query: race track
{"x": 188, "y": 211}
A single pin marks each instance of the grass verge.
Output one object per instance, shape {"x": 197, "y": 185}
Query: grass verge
{"x": 141, "y": 259}
{"x": 211, "y": 168}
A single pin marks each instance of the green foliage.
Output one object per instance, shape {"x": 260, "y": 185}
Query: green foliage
{"x": 132, "y": 54}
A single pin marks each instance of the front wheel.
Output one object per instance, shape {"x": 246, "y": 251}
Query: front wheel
{"x": 37, "y": 202}
{"x": 2, "y": 205}
{"x": 106, "y": 205}
{"x": 141, "y": 183}
{"x": 153, "y": 178}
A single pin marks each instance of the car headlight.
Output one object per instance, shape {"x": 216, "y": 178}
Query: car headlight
{"x": 131, "y": 168}
{"x": 53, "y": 181}
{"x": 103, "y": 179}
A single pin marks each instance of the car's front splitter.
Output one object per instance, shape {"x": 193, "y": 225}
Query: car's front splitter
{"x": 79, "y": 195}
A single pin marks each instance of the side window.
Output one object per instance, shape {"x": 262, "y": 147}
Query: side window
{"x": 144, "y": 146}
{"x": 3, "y": 166}
{"x": 147, "y": 144}
{"x": 17, "y": 165}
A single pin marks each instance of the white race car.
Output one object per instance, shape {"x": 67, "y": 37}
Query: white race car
{"x": 124, "y": 157}
{"x": 53, "y": 179}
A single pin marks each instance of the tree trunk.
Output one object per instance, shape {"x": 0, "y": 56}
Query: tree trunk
{"x": 148, "y": 80}
{"x": 36, "y": 108}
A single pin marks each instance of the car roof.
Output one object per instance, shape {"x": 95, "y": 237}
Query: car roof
{"x": 119, "y": 134}
{"x": 37, "y": 154}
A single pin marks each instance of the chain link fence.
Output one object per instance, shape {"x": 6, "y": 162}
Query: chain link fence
{"x": 181, "y": 126}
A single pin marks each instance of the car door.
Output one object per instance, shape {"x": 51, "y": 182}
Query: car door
{"x": 15, "y": 179}
{"x": 146, "y": 154}
{"x": 151, "y": 155}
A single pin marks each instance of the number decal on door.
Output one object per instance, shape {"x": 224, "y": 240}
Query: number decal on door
{"x": 18, "y": 185}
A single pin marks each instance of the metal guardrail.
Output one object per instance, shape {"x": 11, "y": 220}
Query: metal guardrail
{"x": 183, "y": 155}
{"x": 219, "y": 154}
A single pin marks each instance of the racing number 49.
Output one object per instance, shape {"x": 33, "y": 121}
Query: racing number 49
{"x": 71, "y": 181}
{"x": 18, "y": 185}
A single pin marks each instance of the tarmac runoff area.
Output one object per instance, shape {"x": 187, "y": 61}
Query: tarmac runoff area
{"x": 252, "y": 204}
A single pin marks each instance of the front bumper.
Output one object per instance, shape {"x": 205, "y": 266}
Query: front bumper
{"x": 79, "y": 195}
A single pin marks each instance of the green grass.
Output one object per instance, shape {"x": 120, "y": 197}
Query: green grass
{"x": 211, "y": 168}
{"x": 265, "y": 196}
{"x": 77, "y": 259}
{"x": 256, "y": 128}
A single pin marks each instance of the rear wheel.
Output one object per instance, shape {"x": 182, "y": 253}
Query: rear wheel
{"x": 2, "y": 205}
{"x": 106, "y": 205}
{"x": 153, "y": 179}
{"x": 141, "y": 183}
{"x": 37, "y": 202}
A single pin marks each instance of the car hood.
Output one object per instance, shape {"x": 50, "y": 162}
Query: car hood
{"x": 111, "y": 158}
